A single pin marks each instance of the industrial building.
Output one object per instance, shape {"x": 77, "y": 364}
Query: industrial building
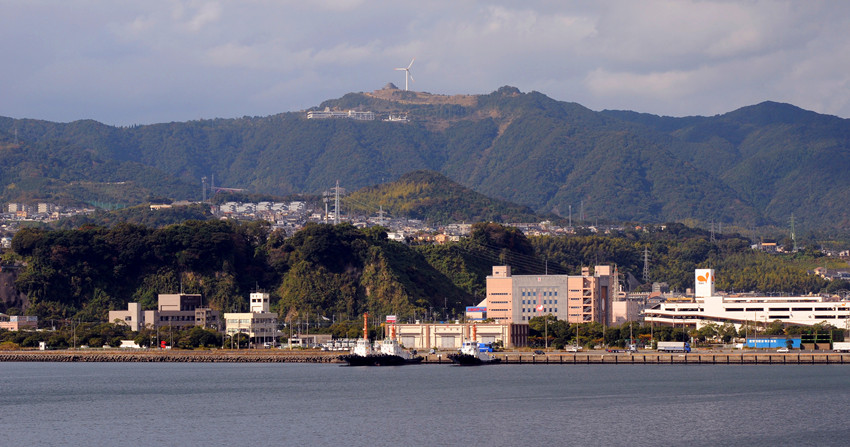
{"x": 709, "y": 307}
{"x": 452, "y": 335}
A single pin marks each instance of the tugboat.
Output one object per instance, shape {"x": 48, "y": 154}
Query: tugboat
{"x": 470, "y": 355}
{"x": 388, "y": 354}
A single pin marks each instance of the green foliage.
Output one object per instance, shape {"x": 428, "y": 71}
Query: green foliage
{"x": 139, "y": 215}
{"x": 676, "y": 252}
{"x": 430, "y": 196}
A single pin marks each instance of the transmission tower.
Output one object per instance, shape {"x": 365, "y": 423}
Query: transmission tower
{"x": 336, "y": 203}
{"x": 646, "y": 264}
{"x": 204, "y": 189}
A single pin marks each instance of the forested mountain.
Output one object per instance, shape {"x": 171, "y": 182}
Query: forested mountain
{"x": 756, "y": 165}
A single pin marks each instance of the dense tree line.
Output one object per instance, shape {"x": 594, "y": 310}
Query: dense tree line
{"x": 339, "y": 271}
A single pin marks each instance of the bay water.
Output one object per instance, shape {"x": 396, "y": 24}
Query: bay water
{"x": 259, "y": 404}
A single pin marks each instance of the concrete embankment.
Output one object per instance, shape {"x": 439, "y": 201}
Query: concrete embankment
{"x": 218, "y": 356}
{"x": 746, "y": 358}
{"x": 507, "y": 358}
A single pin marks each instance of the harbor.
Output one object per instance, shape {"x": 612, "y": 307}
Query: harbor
{"x": 504, "y": 358}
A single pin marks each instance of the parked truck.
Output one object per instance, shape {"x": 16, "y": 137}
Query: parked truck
{"x": 841, "y": 346}
{"x": 674, "y": 346}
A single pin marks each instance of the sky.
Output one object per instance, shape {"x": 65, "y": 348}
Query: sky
{"x": 152, "y": 61}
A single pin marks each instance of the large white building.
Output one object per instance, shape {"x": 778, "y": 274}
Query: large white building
{"x": 708, "y": 307}
{"x": 259, "y": 324}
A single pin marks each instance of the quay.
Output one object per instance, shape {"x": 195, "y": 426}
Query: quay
{"x": 507, "y": 358}
{"x": 605, "y": 358}
{"x": 174, "y": 356}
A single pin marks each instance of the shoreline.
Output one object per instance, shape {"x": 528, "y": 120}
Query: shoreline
{"x": 171, "y": 356}
{"x": 507, "y": 358}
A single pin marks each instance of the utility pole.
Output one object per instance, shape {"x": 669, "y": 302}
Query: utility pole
{"x": 793, "y": 233}
{"x": 326, "y": 197}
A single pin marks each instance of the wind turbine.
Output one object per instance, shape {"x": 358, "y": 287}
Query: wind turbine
{"x": 407, "y": 73}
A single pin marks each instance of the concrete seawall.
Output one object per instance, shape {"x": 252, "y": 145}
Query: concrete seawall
{"x": 265, "y": 356}
{"x": 807, "y": 358}
{"x": 508, "y": 358}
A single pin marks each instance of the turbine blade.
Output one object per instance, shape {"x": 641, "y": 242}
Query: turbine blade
{"x": 411, "y": 63}
{"x": 411, "y": 76}
{"x": 400, "y": 69}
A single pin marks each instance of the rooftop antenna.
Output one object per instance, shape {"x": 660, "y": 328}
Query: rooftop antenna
{"x": 407, "y": 73}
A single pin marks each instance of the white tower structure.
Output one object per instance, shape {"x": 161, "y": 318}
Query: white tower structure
{"x": 259, "y": 302}
{"x": 407, "y": 73}
{"x": 704, "y": 281}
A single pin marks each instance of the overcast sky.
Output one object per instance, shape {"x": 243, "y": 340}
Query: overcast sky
{"x": 155, "y": 61}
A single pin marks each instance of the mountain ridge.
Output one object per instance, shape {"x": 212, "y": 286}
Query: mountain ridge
{"x": 752, "y": 166}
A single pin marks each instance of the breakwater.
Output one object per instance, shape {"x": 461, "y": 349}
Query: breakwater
{"x": 217, "y": 356}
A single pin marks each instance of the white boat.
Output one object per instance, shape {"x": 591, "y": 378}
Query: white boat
{"x": 470, "y": 354}
{"x": 388, "y": 353}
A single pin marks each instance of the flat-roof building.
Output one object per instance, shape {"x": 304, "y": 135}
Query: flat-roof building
{"x": 259, "y": 324}
{"x": 179, "y": 310}
{"x": 452, "y": 335}
{"x": 707, "y": 307}
{"x": 573, "y": 298}
{"x": 18, "y": 322}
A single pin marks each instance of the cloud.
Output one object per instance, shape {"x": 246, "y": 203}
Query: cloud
{"x": 192, "y": 58}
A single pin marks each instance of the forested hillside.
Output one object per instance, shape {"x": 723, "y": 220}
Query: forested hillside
{"x": 753, "y": 166}
{"x": 344, "y": 271}
{"x": 430, "y": 196}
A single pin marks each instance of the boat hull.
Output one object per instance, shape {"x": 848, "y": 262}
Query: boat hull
{"x": 379, "y": 360}
{"x": 470, "y": 360}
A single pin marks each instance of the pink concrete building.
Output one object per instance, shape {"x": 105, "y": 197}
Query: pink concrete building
{"x": 577, "y": 299}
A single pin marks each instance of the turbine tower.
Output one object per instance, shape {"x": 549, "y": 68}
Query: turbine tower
{"x": 407, "y": 73}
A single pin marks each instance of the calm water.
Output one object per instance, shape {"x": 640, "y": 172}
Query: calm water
{"x": 290, "y": 404}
